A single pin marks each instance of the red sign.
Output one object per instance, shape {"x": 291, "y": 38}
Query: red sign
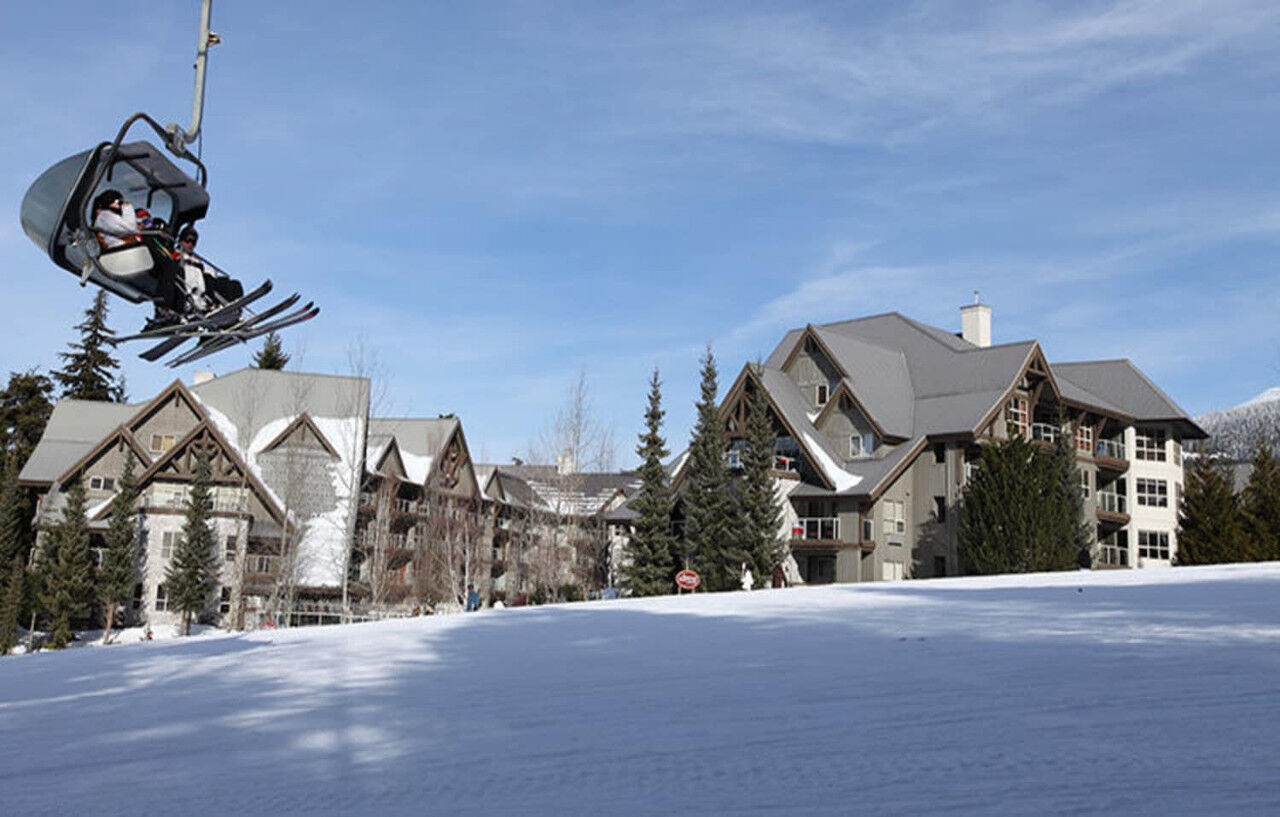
{"x": 688, "y": 580}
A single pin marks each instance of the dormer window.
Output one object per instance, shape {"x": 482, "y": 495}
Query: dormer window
{"x": 862, "y": 445}
{"x": 821, "y": 395}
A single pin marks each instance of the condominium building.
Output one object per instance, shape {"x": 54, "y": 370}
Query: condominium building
{"x": 879, "y": 424}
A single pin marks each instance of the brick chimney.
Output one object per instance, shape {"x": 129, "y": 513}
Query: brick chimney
{"x": 975, "y": 322}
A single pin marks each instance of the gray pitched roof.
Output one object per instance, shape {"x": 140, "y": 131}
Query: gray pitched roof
{"x": 1120, "y": 383}
{"x": 74, "y": 428}
{"x": 249, "y": 394}
{"x": 424, "y": 436}
{"x": 917, "y": 381}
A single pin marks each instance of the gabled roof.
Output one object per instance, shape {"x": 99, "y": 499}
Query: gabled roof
{"x": 303, "y": 422}
{"x": 74, "y": 429}
{"x": 1120, "y": 383}
{"x": 120, "y": 436}
{"x": 419, "y": 441}
{"x": 207, "y": 429}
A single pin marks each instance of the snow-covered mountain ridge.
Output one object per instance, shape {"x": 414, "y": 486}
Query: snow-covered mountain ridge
{"x": 1238, "y": 429}
{"x": 1107, "y": 692}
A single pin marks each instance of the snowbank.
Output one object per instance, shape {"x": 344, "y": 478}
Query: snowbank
{"x": 1123, "y": 692}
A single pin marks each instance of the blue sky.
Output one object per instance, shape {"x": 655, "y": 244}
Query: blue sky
{"x": 490, "y": 199}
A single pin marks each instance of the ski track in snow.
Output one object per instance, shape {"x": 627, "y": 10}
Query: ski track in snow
{"x": 1134, "y": 692}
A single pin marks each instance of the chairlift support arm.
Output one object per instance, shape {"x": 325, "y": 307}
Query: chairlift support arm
{"x": 178, "y": 137}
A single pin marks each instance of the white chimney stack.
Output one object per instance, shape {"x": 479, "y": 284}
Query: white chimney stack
{"x": 975, "y": 322}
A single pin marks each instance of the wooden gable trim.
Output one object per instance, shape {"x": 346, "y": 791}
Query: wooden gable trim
{"x": 399, "y": 474}
{"x": 810, "y": 334}
{"x": 250, "y": 479}
{"x": 449, "y": 473}
{"x": 303, "y": 421}
{"x": 1033, "y": 355}
{"x": 120, "y": 434}
{"x": 158, "y": 402}
{"x": 842, "y": 389}
{"x": 738, "y": 386}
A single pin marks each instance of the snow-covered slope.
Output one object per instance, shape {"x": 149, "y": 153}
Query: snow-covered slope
{"x": 1143, "y": 692}
{"x": 1237, "y": 430}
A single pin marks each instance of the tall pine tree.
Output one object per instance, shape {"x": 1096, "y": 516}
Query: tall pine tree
{"x": 651, "y": 564}
{"x": 1210, "y": 527}
{"x": 89, "y": 371}
{"x": 712, "y": 520}
{"x": 191, "y": 576}
{"x": 271, "y": 355}
{"x": 11, "y": 595}
{"x": 1021, "y": 512}
{"x": 12, "y": 515}
{"x": 68, "y": 589}
{"x": 119, "y": 572}
{"x": 25, "y": 407}
{"x": 1260, "y": 503}
{"x": 761, "y": 511}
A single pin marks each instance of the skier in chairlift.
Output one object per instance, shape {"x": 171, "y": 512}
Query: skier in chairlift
{"x": 116, "y": 224}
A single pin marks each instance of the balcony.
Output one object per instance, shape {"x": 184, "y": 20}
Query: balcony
{"x": 816, "y": 529}
{"x": 1045, "y": 432}
{"x": 1112, "y": 507}
{"x": 1111, "y": 455}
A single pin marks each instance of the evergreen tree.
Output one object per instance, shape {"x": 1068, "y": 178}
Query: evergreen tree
{"x": 68, "y": 587}
{"x": 271, "y": 355}
{"x": 1210, "y": 528}
{"x": 12, "y": 515}
{"x": 1021, "y": 511}
{"x": 761, "y": 512}
{"x": 1260, "y": 503}
{"x": 24, "y": 411}
{"x": 651, "y": 565}
{"x": 89, "y": 370}
{"x": 119, "y": 572}
{"x": 11, "y": 605}
{"x": 713, "y": 523}
{"x": 190, "y": 578}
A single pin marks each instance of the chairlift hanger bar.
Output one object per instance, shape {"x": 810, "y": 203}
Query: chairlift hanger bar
{"x": 178, "y": 139}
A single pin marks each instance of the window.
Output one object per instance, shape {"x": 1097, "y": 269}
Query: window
{"x": 1149, "y": 445}
{"x": 1084, "y": 438}
{"x": 229, "y": 549}
{"x": 939, "y": 453}
{"x": 261, "y": 564}
{"x": 1084, "y": 484}
{"x": 1017, "y": 416}
{"x": 1114, "y": 550}
{"x": 733, "y": 459}
{"x": 224, "y": 601}
{"x": 868, "y": 528}
{"x": 855, "y": 445}
{"x": 167, "y": 544}
{"x": 1153, "y": 493}
{"x": 137, "y": 596}
{"x": 161, "y": 443}
{"x": 940, "y": 508}
{"x": 891, "y": 571}
{"x": 895, "y": 520}
{"x": 162, "y": 598}
{"x": 822, "y": 393}
{"x": 1177, "y": 452}
{"x": 1153, "y": 544}
{"x": 102, "y": 484}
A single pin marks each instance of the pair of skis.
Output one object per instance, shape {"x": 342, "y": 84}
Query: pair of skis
{"x": 223, "y": 327}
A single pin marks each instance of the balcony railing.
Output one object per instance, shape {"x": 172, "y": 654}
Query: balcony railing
{"x": 784, "y": 463}
{"x": 825, "y": 528}
{"x": 1111, "y": 502}
{"x": 1045, "y": 432}
{"x": 1111, "y": 449}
